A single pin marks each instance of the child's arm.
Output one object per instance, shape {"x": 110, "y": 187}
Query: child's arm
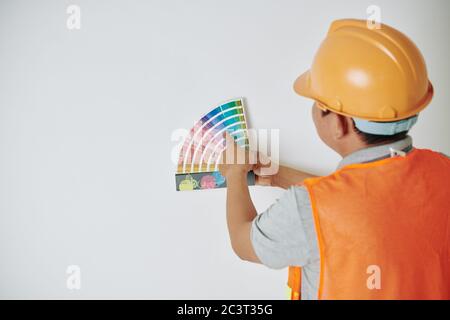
{"x": 240, "y": 209}
{"x": 275, "y": 175}
{"x": 240, "y": 214}
{"x": 287, "y": 177}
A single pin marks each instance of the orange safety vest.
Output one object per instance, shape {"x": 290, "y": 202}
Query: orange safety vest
{"x": 383, "y": 229}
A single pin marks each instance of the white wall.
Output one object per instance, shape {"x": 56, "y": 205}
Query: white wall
{"x": 86, "y": 118}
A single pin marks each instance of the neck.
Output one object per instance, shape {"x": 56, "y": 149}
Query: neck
{"x": 351, "y": 146}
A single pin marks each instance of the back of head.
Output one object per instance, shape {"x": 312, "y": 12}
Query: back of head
{"x": 377, "y": 77}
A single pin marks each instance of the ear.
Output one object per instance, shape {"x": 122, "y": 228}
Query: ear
{"x": 341, "y": 126}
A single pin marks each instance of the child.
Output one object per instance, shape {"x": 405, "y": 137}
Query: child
{"x": 378, "y": 227}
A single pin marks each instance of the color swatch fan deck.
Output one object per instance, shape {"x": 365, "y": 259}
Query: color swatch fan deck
{"x": 200, "y": 154}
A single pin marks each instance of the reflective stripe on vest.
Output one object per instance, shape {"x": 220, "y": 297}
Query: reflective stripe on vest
{"x": 383, "y": 229}
{"x": 294, "y": 283}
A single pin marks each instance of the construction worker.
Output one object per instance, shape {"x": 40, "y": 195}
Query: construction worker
{"x": 379, "y": 226}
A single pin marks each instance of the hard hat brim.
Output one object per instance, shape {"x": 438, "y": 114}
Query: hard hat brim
{"x": 302, "y": 85}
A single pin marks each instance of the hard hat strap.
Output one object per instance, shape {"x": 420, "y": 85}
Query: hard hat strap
{"x": 385, "y": 128}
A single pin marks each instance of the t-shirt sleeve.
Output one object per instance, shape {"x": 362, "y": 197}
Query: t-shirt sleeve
{"x": 284, "y": 234}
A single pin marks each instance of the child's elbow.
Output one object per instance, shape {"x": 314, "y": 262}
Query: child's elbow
{"x": 244, "y": 253}
{"x": 237, "y": 249}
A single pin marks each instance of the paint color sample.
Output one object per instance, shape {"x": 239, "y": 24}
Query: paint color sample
{"x": 205, "y": 143}
{"x": 205, "y": 180}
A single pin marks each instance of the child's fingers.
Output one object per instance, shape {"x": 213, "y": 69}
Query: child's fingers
{"x": 262, "y": 163}
{"x": 230, "y": 149}
{"x": 263, "y": 181}
{"x": 229, "y": 139}
{"x": 263, "y": 160}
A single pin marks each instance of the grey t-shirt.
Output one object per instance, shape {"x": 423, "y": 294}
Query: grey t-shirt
{"x": 284, "y": 235}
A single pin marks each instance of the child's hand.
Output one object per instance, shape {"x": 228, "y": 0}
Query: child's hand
{"x": 238, "y": 161}
{"x": 261, "y": 178}
{"x": 247, "y": 163}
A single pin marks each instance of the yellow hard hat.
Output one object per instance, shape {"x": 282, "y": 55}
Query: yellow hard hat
{"x": 371, "y": 74}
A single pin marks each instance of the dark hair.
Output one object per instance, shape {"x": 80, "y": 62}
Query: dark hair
{"x": 371, "y": 139}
